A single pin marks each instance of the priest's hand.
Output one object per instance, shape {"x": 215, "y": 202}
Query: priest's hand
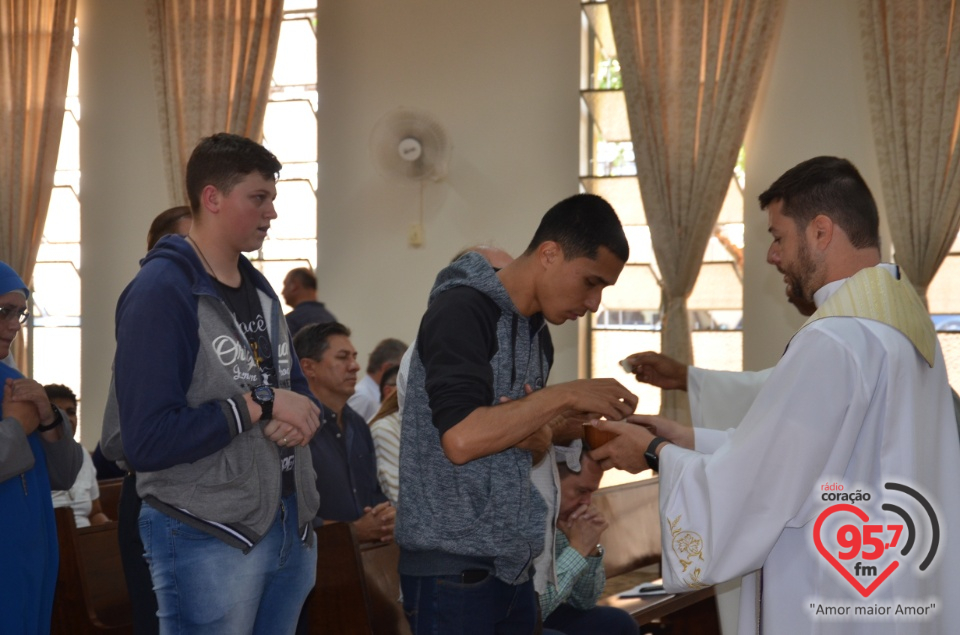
{"x": 657, "y": 370}
{"x": 625, "y": 452}
{"x": 670, "y": 430}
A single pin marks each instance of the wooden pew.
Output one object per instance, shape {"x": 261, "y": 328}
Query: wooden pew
{"x": 358, "y": 586}
{"x": 380, "y": 573}
{"x": 91, "y": 593}
{"x": 632, "y": 554}
{"x": 339, "y": 602}
{"x": 632, "y": 540}
{"x": 110, "y": 496}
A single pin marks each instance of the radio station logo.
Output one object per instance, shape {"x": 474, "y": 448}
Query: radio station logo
{"x": 868, "y": 549}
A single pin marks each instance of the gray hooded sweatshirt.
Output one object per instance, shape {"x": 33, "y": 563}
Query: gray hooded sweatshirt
{"x": 473, "y": 348}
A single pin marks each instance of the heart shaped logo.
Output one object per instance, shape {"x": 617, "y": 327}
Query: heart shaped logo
{"x": 853, "y": 538}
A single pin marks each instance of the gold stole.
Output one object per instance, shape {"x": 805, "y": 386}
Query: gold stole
{"x": 874, "y": 293}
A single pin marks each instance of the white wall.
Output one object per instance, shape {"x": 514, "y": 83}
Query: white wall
{"x": 122, "y": 186}
{"x": 502, "y": 77}
{"x": 813, "y": 102}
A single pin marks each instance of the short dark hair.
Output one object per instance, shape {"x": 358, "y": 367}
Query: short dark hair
{"x": 223, "y": 160}
{"x": 581, "y": 225}
{"x": 313, "y": 339}
{"x": 388, "y": 350}
{"x": 59, "y": 391}
{"x": 304, "y": 276}
{"x": 833, "y": 187}
{"x": 165, "y": 224}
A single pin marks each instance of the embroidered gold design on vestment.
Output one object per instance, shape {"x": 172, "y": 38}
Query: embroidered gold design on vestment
{"x": 688, "y": 547}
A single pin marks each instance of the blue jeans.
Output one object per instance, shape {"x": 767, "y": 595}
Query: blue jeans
{"x": 600, "y": 620}
{"x": 441, "y": 605}
{"x": 205, "y": 586}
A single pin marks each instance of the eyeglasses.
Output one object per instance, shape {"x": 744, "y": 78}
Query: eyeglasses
{"x": 11, "y": 312}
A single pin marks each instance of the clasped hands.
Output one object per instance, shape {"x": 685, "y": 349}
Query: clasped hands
{"x": 295, "y": 420}
{"x": 376, "y": 524}
{"x": 583, "y": 529}
{"x": 26, "y": 401}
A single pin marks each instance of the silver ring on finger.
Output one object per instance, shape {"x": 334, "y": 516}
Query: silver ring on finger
{"x": 283, "y": 441}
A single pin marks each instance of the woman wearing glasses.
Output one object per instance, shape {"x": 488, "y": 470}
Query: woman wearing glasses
{"x": 37, "y": 453}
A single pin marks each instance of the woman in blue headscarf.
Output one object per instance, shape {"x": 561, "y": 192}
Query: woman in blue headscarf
{"x": 37, "y": 452}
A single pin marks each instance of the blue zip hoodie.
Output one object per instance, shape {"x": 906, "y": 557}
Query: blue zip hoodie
{"x": 181, "y": 370}
{"x": 473, "y": 347}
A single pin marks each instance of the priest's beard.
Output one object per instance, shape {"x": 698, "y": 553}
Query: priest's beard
{"x": 800, "y": 280}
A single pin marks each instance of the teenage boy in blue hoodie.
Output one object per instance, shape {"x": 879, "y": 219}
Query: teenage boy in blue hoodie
{"x": 213, "y": 413}
{"x": 476, "y": 410}
{"x": 37, "y": 452}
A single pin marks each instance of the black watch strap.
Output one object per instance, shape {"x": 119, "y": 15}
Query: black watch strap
{"x": 57, "y": 420}
{"x": 266, "y": 411}
{"x": 263, "y": 396}
{"x": 651, "y": 454}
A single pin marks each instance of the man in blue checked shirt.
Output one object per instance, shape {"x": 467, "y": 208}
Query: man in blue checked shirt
{"x": 569, "y": 605}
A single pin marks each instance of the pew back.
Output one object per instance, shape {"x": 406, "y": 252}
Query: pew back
{"x": 380, "y": 561}
{"x": 110, "y": 496}
{"x": 633, "y": 538}
{"x": 91, "y": 594}
{"x": 358, "y": 587}
{"x": 631, "y": 545}
{"x": 338, "y": 602}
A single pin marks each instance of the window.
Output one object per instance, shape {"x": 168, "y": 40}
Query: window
{"x": 290, "y": 132}
{"x": 629, "y": 317}
{"x": 53, "y": 331}
{"x": 943, "y": 296}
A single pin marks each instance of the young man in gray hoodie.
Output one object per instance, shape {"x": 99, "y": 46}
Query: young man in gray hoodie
{"x": 212, "y": 411}
{"x": 477, "y": 413}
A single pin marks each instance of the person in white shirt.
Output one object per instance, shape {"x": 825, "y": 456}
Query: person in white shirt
{"x": 858, "y": 410}
{"x": 83, "y": 497}
{"x": 366, "y": 400}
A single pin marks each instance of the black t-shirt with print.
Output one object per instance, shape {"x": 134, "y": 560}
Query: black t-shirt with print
{"x": 244, "y": 302}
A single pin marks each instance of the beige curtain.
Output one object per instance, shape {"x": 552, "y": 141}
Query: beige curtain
{"x": 690, "y": 74}
{"x": 912, "y": 59}
{"x": 36, "y": 40}
{"x": 213, "y": 60}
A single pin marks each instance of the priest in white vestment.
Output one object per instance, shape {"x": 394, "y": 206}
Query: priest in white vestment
{"x": 858, "y": 406}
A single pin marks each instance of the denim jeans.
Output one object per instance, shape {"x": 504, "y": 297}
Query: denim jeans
{"x": 440, "y": 605}
{"x": 143, "y": 601}
{"x": 205, "y": 586}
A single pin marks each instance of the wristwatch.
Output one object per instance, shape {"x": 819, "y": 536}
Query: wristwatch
{"x": 263, "y": 395}
{"x": 57, "y": 420}
{"x": 599, "y": 550}
{"x": 651, "y": 454}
